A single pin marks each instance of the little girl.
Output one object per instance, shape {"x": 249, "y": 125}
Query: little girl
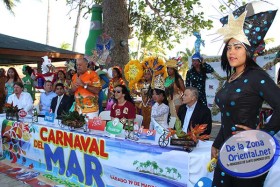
{"x": 160, "y": 110}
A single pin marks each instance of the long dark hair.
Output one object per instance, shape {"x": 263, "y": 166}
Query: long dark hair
{"x": 16, "y": 76}
{"x": 29, "y": 70}
{"x": 165, "y": 101}
{"x": 177, "y": 78}
{"x": 61, "y": 71}
{"x": 226, "y": 66}
{"x": 118, "y": 72}
{"x": 202, "y": 69}
{"x": 126, "y": 93}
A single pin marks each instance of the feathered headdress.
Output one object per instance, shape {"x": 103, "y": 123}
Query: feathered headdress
{"x": 155, "y": 65}
{"x": 133, "y": 72}
{"x": 175, "y": 63}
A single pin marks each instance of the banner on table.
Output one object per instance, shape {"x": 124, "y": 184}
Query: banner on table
{"x": 86, "y": 160}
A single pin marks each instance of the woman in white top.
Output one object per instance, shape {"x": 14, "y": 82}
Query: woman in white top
{"x": 160, "y": 110}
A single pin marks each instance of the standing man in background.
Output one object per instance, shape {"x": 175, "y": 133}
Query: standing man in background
{"x": 86, "y": 86}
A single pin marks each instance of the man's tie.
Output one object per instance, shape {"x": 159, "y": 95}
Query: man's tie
{"x": 57, "y": 105}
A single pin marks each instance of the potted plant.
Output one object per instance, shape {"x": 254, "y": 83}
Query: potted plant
{"x": 73, "y": 120}
{"x": 11, "y": 111}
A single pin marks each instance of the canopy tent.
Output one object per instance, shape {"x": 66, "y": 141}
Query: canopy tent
{"x": 16, "y": 51}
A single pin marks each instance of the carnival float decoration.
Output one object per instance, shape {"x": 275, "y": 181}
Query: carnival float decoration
{"x": 47, "y": 73}
{"x": 179, "y": 138}
{"x": 198, "y": 42}
{"x": 104, "y": 45}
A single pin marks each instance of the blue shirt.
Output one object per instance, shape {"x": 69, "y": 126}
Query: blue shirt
{"x": 45, "y": 101}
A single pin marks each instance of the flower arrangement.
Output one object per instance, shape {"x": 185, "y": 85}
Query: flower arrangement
{"x": 11, "y": 111}
{"x": 73, "y": 119}
{"x": 194, "y": 134}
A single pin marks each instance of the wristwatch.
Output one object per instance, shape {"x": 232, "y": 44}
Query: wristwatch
{"x": 85, "y": 86}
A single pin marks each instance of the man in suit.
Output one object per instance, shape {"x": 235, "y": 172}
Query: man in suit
{"x": 61, "y": 103}
{"x": 193, "y": 112}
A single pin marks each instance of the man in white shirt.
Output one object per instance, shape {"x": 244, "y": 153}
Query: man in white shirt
{"x": 193, "y": 112}
{"x": 21, "y": 99}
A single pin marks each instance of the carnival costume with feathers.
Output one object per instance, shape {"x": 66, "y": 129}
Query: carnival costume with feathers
{"x": 47, "y": 73}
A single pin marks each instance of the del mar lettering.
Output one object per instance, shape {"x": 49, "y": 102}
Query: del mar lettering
{"x": 79, "y": 142}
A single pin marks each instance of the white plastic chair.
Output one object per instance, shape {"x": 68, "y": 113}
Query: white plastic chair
{"x": 139, "y": 119}
{"x": 105, "y": 115}
{"x": 172, "y": 122}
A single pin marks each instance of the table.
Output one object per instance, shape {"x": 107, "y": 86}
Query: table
{"x": 94, "y": 160}
{"x": 75, "y": 158}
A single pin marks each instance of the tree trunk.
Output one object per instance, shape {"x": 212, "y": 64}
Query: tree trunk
{"x": 76, "y": 32}
{"x": 115, "y": 19}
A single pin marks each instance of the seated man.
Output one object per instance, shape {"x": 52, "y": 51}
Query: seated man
{"x": 61, "y": 103}
{"x": 46, "y": 98}
{"x": 193, "y": 112}
{"x": 21, "y": 99}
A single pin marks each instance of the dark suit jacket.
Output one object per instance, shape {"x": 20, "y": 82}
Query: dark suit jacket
{"x": 64, "y": 106}
{"x": 200, "y": 115}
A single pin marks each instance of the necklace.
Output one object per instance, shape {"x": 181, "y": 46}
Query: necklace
{"x": 235, "y": 76}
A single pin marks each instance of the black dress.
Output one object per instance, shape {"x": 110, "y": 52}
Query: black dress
{"x": 197, "y": 80}
{"x": 240, "y": 102}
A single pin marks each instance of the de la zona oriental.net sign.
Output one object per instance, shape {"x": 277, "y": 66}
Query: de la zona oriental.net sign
{"x": 88, "y": 160}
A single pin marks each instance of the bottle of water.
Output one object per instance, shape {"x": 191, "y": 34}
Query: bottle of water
{"x": 35, "y": 115}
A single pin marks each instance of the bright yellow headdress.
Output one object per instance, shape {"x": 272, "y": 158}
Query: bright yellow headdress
{"x": 133, "y": 72}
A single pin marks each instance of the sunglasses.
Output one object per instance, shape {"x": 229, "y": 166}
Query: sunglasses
{"x": 118, "y": 91}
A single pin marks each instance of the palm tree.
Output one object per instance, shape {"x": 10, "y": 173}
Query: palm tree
{"x": 141, "y": 165}
{"x": 179, "y": 176}
{"x": 65, "y": 45}
{"x": 160, "y": 170}
{"x": 184, "y": 58}
{"x": 174, "y": 170}
{"x": 168, "y": 170}
{"x": 155, "y": 166}
{"x": 10, "y": 4}
{"x": 148, "y": 164}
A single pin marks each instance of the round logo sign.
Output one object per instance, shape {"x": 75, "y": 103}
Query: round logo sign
{"x": 22, "y": 113}
{"x": 249, "y": 154}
